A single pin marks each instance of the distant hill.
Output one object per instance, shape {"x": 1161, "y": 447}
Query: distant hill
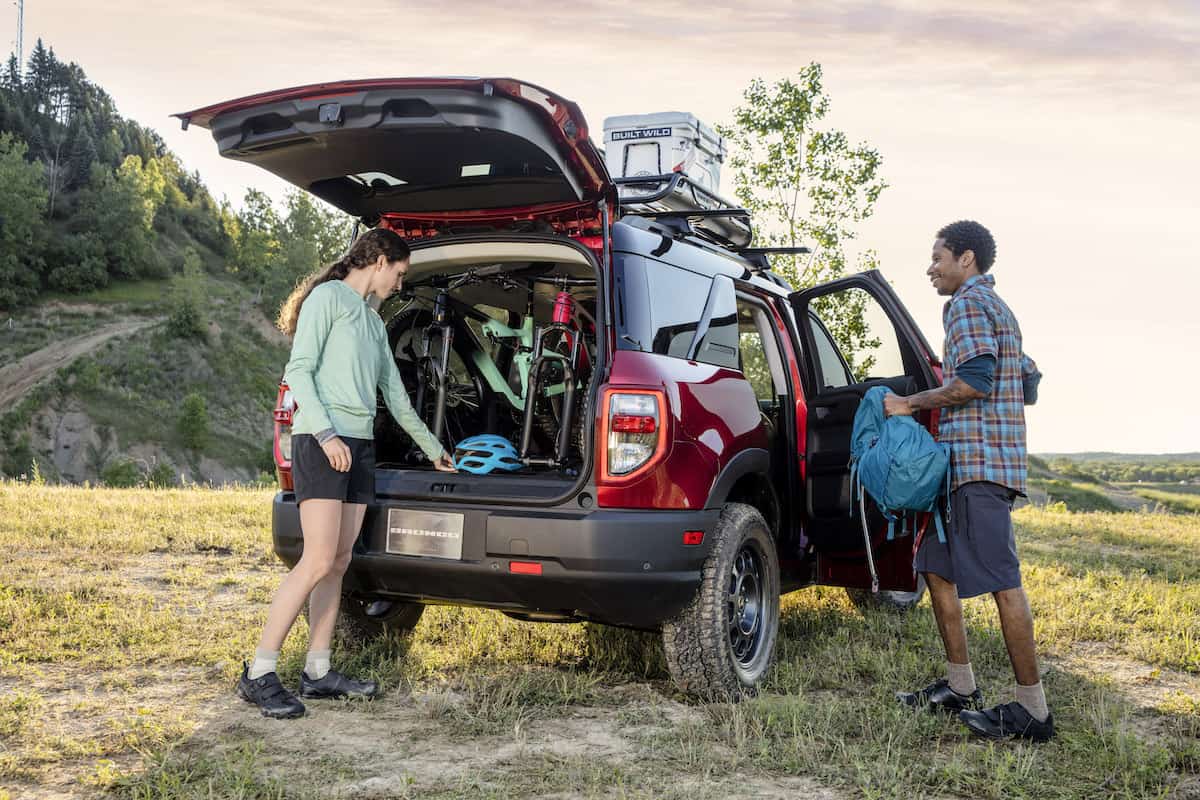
{"x": 1126, "y": 458}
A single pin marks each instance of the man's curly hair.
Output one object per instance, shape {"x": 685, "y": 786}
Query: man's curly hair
{"x": 967, "y": 234}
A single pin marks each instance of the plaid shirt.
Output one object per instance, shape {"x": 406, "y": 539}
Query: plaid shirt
{"x": 987, "y": 435}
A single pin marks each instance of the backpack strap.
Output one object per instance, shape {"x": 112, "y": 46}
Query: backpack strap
{"x": 891, "y": 527}
{"x": 862, "y": 511}
{"x": 941, "y": 529}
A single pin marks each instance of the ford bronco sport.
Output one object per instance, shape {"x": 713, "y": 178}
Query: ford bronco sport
{"x": 683, "y": 415}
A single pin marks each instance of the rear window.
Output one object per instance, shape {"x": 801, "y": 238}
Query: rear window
{"x": 662, "y": 308}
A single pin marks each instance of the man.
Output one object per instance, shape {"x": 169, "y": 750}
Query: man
{"x": 987, "y": 379}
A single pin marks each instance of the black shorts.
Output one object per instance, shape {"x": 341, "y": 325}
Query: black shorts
{"x": 313, "y": 477}
{"x": 980, "y": 553}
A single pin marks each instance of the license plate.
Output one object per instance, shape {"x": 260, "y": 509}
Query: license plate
{"x": 424, "y": 533}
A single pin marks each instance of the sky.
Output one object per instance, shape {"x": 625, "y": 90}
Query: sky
{"x": 1067, "y": 127}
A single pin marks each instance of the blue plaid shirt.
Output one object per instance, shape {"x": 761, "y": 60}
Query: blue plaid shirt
{"x": 987, "y": 435}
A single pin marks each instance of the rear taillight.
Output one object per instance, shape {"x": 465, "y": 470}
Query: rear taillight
{"x": 285, "y": 407}
{"x": 635, "y": 434}
{"x": 285, "y": 444}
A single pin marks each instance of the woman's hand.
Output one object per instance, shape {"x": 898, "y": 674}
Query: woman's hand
{"x": 444, "y": 463}
{"x": 338, "y": 454}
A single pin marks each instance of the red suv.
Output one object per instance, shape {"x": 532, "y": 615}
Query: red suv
{"x": 683, "y": 415}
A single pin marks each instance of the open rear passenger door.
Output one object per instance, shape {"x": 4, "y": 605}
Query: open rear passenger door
{"x": 856, "y": 334}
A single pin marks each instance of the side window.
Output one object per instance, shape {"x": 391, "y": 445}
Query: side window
{"x": 834, "y": 374}
{"x": 760, "y": 359}
{"x": 862, "y": 334}
{"x": 677, "y": 300}
{"x": 719, "y": 330}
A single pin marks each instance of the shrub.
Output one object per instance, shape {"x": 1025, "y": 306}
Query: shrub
{"x": 187, "y": 318}
{"x": 193, "y": 422}
{"x": 161, "y": 477}
{"x": 77, "y": 263}
{"x": 121, "y": 473}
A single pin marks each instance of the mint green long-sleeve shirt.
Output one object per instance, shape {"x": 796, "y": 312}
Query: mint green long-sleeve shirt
{"x": 340, "y": 355}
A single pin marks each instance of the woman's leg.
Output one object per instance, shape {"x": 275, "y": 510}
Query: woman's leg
{"x": 320, "y": 523}
{"x": 327, "y": 594}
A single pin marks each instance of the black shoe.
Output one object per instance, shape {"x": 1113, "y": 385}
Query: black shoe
{"x": 269, "y": 695}
{"x": 335, "y": 684}
{"x": 1008, "y": 721}
{"x": 938, "y": 696}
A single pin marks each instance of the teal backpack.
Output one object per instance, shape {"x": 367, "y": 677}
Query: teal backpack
{"x": 898, "y": 463}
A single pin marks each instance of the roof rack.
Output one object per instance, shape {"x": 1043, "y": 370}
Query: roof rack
{"x": 678, "y": 197}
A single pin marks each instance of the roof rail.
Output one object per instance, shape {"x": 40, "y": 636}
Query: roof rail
{"x": 676, "y": 196}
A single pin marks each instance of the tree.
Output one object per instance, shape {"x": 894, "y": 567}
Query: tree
{"x": 11, "y": 79}
{"x": 805, "y": 186}
{"x": 186, "y": 317}
{"x": 22, "y": 227}
{"x": 193, "y": 422}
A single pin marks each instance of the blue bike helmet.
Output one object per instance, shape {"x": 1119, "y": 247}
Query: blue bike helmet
{"x": 486, "y": 453}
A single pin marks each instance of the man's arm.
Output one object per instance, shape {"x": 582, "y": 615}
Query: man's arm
{"x": 956, "y": 393}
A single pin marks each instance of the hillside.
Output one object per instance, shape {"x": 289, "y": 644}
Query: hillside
{"x": 110, "y": 400}
{"x": 125, "y": 288}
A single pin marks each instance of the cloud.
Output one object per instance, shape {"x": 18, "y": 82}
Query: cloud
{"x": 1061, "y": 44}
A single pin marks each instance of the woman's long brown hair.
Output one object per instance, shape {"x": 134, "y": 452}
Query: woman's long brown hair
{"x": 365, "y": 251}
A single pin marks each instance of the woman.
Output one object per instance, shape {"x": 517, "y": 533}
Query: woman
{"x": 340, "y": 355}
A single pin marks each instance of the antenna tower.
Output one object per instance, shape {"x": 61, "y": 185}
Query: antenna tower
{"x": 20, "y": 34}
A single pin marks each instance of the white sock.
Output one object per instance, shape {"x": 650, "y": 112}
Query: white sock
{"x": 316, "y": 666}
{"x": 961, "y": 677}
{"x": 1033, "y": 698}
{"x": 264, "y": 662}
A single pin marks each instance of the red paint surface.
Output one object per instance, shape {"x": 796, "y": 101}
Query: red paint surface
{"x": 712, "y": 415}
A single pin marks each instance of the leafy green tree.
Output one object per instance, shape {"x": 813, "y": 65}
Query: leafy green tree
{"x": 187, "y": 318}
{"x": 22, "y": 227}
{"x": 806, "y": 185}
{"x": 193, "y": 422}
{"x": 118, "y": 210}
{"x": 76, "y": 262}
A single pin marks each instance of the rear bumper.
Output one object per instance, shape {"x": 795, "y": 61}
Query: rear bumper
{"x": 622, "y": 567}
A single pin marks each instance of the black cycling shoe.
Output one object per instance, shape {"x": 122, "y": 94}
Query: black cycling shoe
{"x": 938, "y": 696}
{"x": 269, "y": 695}
{"x": 335, "y": 684}
{"x": 1009, "y": 721}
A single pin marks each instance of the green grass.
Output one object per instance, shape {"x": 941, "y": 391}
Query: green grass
{"x": 1076, "y": 496}
{"x": 131, "y": 589}
{"x": 143, "y": 292}
{"x": 1187, "y": 503}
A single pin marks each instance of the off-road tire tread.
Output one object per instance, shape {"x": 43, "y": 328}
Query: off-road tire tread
{"x": 697, "y": 653}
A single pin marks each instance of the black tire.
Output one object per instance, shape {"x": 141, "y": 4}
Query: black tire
{"x": 863, "y": 599}
{"x": 361, "y": 622}
{"x": 723, "y": 643}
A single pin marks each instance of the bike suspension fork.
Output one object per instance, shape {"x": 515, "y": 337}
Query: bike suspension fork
{"x": 444, "y": 331}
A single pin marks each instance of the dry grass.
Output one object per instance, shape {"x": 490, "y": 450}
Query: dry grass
{"x": 124, "y": 616}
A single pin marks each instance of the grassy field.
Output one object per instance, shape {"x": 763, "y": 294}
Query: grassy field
{"x": 1175, "y": 498}
{"x": 124, "y": 616}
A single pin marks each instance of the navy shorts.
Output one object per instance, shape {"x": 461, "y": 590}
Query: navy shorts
{"x": 313, "y": 477}
{"x": 980, "y": 553}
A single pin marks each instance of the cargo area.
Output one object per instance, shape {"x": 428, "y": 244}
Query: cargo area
{"x": 493, "y": 338}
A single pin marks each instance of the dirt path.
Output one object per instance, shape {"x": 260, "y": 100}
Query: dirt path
{"x": 18, "y": 378}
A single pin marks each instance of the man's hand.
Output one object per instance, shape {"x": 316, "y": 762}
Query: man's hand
{"x": 338, "y": 454}
{"x": 896, "y": 406}
{"x": 444, "y": 463}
